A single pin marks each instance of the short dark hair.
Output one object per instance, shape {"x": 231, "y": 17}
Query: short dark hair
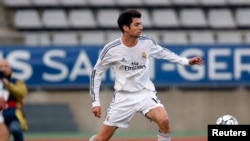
{"x": 126, "y": 17}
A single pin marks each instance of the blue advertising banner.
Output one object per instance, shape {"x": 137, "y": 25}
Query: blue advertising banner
{"x": 60, "y": 66}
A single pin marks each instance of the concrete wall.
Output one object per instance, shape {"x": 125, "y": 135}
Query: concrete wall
{"x": 190, "y": 110}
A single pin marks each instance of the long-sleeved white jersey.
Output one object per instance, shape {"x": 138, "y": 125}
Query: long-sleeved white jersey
{"x": 129, "y": 65}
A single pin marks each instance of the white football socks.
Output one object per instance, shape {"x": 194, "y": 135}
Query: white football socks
{"x": 163, "y": 136}
{"x": 92, "y": 138}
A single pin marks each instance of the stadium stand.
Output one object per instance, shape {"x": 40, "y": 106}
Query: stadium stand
{"x": 90, "y": 15}
{"x": 42, "y": 118}
{"x": 159, "y": 16}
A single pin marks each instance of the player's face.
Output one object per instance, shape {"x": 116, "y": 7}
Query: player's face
{"x": 135, "y": 28}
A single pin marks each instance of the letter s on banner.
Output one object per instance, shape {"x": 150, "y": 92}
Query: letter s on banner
{"x": 48, "y": 61}
{"x": 15, "y": 59}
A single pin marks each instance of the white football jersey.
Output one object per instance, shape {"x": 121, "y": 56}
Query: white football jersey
{"x": 130, "y": 65}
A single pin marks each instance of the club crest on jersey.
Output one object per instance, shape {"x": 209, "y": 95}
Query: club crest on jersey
{"x": 143, "y": 55}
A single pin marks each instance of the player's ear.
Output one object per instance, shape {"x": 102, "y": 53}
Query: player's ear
{"x": 125, "y": 28}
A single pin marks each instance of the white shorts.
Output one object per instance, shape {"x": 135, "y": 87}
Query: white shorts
{"x": 125, "y": 105}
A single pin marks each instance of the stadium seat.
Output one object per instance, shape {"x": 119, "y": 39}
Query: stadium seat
{"x": 71, "y": 3}
{"x": 17, "y": 3}
{"x": 247, "y": 38}
{"x": 165, "y": 18}
{"x": 174, "y": 37}
{"x": 112, "y": 35}
{"x": 45, "y": 39}
{"x": 146, "y": 18}
{"x": 31, "y": 39}
{"x": 157, "y": 2}
{"x": 154, "y": 34}
{"x": 92, "y": 38}
{"x": 240, "y": 16}
{"x": 185, "y": 2}
{"x": 45, "y": 3}
{"x": 2, "y": 20}
{"x": 229, "y": 37}
{"x": 55, "y": 19}
{"x": 27, "y": 19}
{"x": 36, "y": 38}
{"x": 213, "y": 2}
{"x": 201, "y": 37}
{"x": 101, "y": 2}
{"x": 239, "y": 2}
{"x": 221, "y": 18}
{"x": 193, "y": 18}
{"x": 107, "y": 17}
{"x": 82, "y": 18}
{"x": 65, "y": 39}
{"x": 128, "y": 2}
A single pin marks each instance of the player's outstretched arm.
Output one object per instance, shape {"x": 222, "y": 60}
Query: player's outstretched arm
{"x": 196, "y": 61}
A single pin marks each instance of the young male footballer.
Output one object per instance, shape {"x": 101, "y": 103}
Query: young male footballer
{"x": 129, "y": 57}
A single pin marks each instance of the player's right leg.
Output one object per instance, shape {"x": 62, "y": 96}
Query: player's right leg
{"x": 105, "y": 133}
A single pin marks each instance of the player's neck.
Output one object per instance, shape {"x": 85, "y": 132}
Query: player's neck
{"x": 129, "y": 41}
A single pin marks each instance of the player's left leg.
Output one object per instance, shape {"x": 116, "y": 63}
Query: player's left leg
{"x": 160, "y": 117}
{"x": 92, "y": 138}
{"x": 105, "y": 133}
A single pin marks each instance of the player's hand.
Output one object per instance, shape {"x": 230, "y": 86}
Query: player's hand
{"x": 196, "y": 61}
{"x": 97, "y": 111}
{"x": 2, "y": 103}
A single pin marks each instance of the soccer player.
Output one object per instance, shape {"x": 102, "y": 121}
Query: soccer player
{"x": 129, "y": 58}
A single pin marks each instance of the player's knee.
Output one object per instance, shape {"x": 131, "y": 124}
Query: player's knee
{"x": 164, "y": 125}
{"x": 164, "y": 122}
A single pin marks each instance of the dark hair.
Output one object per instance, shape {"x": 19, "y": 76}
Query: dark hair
{"x": 126, "y": 17}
